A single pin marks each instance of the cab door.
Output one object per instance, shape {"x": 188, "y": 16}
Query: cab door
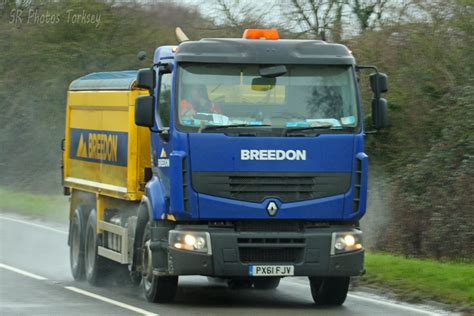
{"x": 161, "y": 144}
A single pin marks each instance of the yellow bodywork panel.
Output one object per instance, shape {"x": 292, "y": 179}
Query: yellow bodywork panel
{"x": 105, "y": 152}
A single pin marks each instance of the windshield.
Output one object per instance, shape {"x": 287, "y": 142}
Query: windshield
{"x": 312, "y": 96}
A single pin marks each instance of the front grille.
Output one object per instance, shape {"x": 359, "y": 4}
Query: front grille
{"x": 185, "y": 185}
{"x": 357, "y": 184}
{"x": 271, "y": 249}
{"x": 271, "y": 255}
{"x": 270, "y": 226}
{"x": 271, "y": 240}
{"x": 256, "y": 187}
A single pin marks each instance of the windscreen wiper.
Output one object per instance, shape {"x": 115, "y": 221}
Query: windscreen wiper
{"x": 308, "y": 128}
{"x": 288, "y": 130}
{"x": 214, "y": 127}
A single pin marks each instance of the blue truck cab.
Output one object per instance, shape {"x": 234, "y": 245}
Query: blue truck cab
{"x": 258, "y": 164}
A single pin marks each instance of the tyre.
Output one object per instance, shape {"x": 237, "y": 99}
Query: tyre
{"x": 95, "y": 266}
{"x": 135, "y": 278}
{"x": 329, "y": 290}
{"x": 239, "y": 284}
{"x": 76, "y": 246}
{"x": 158, "y": 289}
{"x": 266, "y": 283}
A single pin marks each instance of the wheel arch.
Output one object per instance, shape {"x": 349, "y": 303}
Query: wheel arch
{"x": 157, "y": 199}
{"x": 144, "y": 214}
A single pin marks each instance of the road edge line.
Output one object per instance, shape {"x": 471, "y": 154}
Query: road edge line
{"x": 392, "y": 304}
{"x": 400, "y": 305}
{"x": 110, "y": 301}
{"x": 22, "y": 272}
{"x": 33, "y": 224}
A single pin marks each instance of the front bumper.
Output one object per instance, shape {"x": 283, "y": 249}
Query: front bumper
{"x": 233, "y": 252}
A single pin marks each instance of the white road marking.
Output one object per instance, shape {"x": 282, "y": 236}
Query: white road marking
{"x": 86, "y": 293}
{"x": 110, "y": 301}
{"x": 33, "y": 224}
{"x": 22, "y": 272}
{"x": 381, "y": 301}
{"x": 394, "y": 305}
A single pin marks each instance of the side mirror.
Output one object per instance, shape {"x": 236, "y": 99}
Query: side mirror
{"x": 145, "y": 111}
{"x": 379, "y": 113}
{"x": 146, "y": 79}
{"x": 378, "y": 83}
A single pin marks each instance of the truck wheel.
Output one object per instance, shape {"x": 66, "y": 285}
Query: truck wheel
{"x": 158, "y": 289}
{"x": 329, "y": 290}
{"x": 76, "y": 246}
{"x": 95, "y": 266}
{"x": 266, "y": 283}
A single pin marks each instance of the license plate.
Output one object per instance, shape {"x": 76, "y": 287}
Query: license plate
{"x": 271, "y": 270}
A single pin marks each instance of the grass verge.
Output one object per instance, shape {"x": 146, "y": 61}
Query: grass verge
{"x": 421, "y": 279}
{"x": 41, "y": 205}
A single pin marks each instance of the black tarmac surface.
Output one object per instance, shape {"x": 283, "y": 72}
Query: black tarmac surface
{"x": 41, "y": 249}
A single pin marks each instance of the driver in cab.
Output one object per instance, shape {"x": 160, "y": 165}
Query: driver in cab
{"x": 196, "y": 100}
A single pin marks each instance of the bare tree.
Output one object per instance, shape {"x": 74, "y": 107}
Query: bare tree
{"x": 237, "y": 15}
{"x": 329, "y": 18}
{"x": 324, "y": 19}
{"x": 315, "y": 17}
{"x": 367, "y": 12}
{"x": 338, "y": 27}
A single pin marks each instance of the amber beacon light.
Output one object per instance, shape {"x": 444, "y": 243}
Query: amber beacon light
{"x": 267, "y": 34}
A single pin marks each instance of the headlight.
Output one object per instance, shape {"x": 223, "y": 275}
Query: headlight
{"x": 192, "y": 241}
{"x": 346, "y": 241}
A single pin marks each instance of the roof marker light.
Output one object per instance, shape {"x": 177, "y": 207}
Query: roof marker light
{"x": 266, "y": 34}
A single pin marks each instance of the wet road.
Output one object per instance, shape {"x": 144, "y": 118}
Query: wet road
{"x": 35, "y": 280}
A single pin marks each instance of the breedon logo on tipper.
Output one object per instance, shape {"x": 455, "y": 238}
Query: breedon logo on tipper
{"x": 272, "y": 154}
{"x": 99, "y": 146}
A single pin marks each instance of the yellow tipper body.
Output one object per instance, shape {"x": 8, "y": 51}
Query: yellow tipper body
{"x": 105, "y": 152}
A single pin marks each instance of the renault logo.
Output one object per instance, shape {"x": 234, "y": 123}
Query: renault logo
{"x": 272, "y": 208}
